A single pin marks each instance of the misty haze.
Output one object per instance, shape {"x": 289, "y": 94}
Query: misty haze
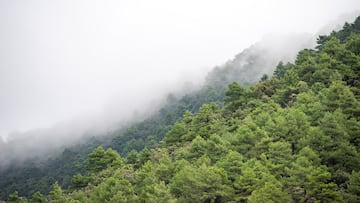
{"x": 136, "y": 77}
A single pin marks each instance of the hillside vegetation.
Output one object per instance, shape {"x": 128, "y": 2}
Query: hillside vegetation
{"x": 292, "y": 137}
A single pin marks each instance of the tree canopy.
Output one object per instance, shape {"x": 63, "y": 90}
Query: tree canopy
{"x": 292, "y": 137}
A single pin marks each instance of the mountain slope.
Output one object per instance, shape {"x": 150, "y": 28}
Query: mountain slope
{"x": 294, "y": 137}
{"x": 247, "y": 67}
{"x": 263, "y": 130}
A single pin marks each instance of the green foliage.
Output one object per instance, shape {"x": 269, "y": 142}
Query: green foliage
{"x": 113, "y": 189}
{"x": 56, "y": 195}
{"x": 354, "y": 187}
{"x": 79, "y": 181}
{"x": 353, "y": 44}
{"x": 266, "y": 89}
{"x": 281, "y": 69}
{"x": 199, "y": 184}
{"x": 14, "y": 198}
{"x": 293, "y": 137}
{"x": 235, "y": 97}
{"x": 37, "y": 175}
{"x": 340, "y": 96}
{"x": 37, "y": 198}
{"x": 100, "y": 159}
{"x": 231, "y": 163}
{"x": 271, "y": 191}
{"x": 149, "y": 188}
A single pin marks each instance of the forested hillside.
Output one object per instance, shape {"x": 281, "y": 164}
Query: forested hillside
{"x": 38, "y": 174}
{"x": 291, "y": 137}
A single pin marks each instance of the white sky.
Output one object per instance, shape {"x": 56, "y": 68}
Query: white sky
{"x": 60, "y": 59}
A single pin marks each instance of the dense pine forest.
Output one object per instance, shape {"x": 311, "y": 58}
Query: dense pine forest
{"x": 291, "y": 137}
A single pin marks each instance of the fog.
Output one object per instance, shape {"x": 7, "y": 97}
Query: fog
{"x": 92, "y": 65}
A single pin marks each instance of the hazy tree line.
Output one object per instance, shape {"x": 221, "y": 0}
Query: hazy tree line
{"x": 291, "y": 137}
